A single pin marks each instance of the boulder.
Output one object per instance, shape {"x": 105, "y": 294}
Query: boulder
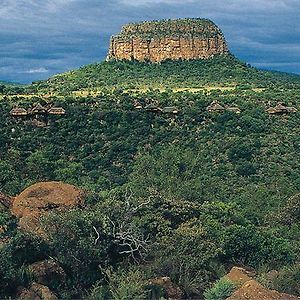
{"x": 239, "y": 276}
{"x": 252, "y": 290}
{"x": 42, "y": 198}
{"x": 171, "y": 290}
{"x": 37, "y": 292}
{"x": 47, "y": 272}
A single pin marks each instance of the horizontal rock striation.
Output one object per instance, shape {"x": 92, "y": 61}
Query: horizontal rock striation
{"x": 184, "y": 39}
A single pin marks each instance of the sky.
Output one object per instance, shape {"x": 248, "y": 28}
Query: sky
{"x": 40, "y": 38}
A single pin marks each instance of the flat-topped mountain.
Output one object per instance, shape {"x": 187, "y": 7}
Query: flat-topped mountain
{"x": 156, "y": 41}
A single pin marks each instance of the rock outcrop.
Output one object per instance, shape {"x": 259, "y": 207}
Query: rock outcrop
{"x": 37, "y": 292}
{"x": 252, "y": 290}
{"x": 239, "y": 275}
{"x": 48, "y": 272}
{"x": 156, "y": 41}
{"x": 249, "y": 289}
{"x": 42, "y": 198}
{"x": 170, "y": 290}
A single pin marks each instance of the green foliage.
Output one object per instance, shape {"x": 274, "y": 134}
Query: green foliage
{"x": 223, "y": 70}
{"x": 71, "y": 238}
{"x": 189, "y": 263}
{"x": 20, "y": 250}
{"x": 221, "y": 290}
{"x": 287, "y": 280}
{"x": 126, "y": 284}
{"x": 255, "y": 247}
{"x": 189, "y": 194}
{"x": 162, "y": 28}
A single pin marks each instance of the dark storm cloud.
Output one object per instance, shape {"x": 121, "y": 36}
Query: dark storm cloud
{"x": 41, "y": 38}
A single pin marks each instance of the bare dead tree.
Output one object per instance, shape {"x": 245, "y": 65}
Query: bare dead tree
{"x": 125, "y": 233}
{"x": 130, "y": 238}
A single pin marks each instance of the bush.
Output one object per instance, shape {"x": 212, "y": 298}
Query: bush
{"x": 288, "y": 280}
{"x": 20, "y": 250}
{"x": 190, "y": 263}
{"x": 126, "y": 285}
{"x": 221, "y": 290}
{"x": 254, "y": 247}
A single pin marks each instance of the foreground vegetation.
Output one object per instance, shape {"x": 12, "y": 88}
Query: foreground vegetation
{"x": 200, "y": 191}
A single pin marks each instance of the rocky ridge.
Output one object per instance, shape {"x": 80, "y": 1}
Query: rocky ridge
{"x": 156, "y": 41}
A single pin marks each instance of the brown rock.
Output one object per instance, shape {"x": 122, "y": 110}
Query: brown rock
{"x": 239, "y": 276}
{"x": 37, "y": 292}
{"x": 47, "y": 272}
{"x": 42, "y": 198}
{"x": 156, "y": 41}
{"x": 252, "y": 290}
{"x": 171, "y": 290}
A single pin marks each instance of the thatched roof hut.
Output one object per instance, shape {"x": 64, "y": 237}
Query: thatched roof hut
{"x": 137, "y": 105}
{"x": 18, "y": 112}
{"x": 234, "y": 109}
{"x": 56, "y": 111}
{"x": 281, "y": 109}
{"x": 39, "y": 109}
{"x": 291, "y": 109}
{"x": 215, "y": 107}
{"x": 170, "y": 110}
{"x": 39, "y": 123}
{"x": 271, "y": 111}
{"x": 153, "y": 108}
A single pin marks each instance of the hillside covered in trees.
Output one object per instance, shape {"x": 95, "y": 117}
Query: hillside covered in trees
{"x": 224, "y": 70}
{"x": 171, "y": 189}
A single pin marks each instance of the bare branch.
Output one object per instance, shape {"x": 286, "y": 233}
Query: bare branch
{"x": 98, "y": 235}
{"x": 123, "y": 230}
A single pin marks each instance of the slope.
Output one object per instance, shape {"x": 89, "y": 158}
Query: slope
{"x": 219, "y": 71}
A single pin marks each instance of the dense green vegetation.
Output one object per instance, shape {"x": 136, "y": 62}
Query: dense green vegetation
{"x": 10, "y": 88}
{"x": 220, "y": 71}
{"x": 199, "y": 191}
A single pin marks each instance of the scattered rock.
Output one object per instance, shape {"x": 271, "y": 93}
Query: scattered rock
{"x": 48, "y": 272}
{"x": 37, "y": 292}
{"x": 42, "y": 198}
{"x": 171, "y": 290}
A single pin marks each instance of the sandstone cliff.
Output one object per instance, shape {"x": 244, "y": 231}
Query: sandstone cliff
{"x": 157, "y": 41}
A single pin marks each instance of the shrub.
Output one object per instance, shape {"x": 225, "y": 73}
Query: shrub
{"x": 288, "y": 280}
{"x": 189, "y": 263}
{"x": 221, "y": 290}
{"x": 254, "y": 247}
{"x": 126, "y": 285}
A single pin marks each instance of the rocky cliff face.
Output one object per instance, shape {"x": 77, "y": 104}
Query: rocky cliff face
{"x": 157, "y": 41}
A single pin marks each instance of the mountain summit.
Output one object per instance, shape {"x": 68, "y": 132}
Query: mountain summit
{"x": 156, "y": 41}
